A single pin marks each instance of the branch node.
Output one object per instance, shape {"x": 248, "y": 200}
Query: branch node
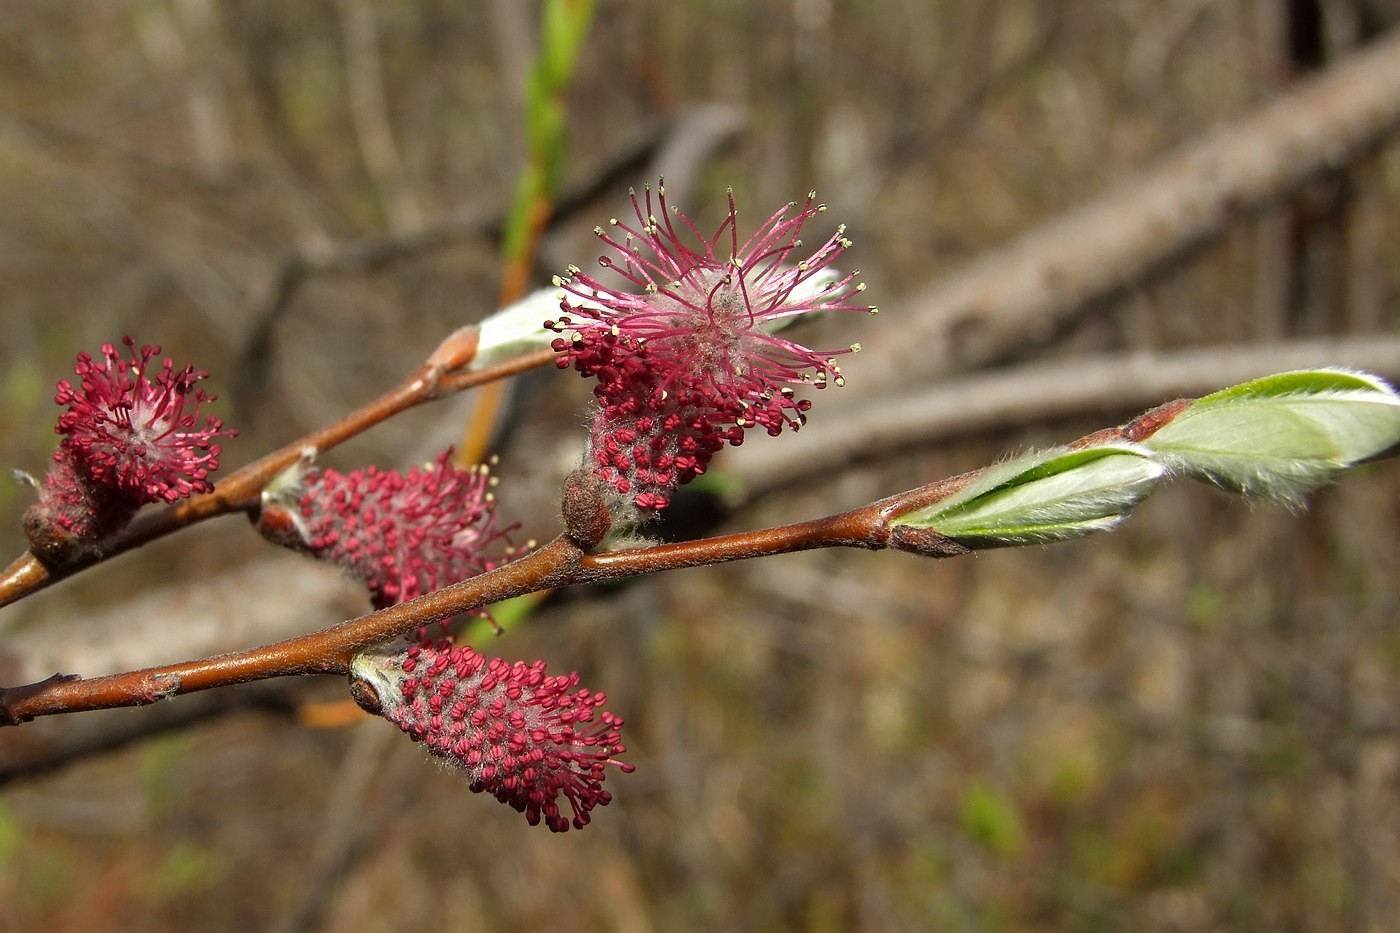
{"x": 11, "y": 697}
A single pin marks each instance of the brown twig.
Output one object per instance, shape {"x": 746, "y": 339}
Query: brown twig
{"x": 241, "y": 490}
{"x": 558, "y": 563}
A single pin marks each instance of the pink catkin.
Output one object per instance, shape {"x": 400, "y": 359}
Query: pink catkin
{"x": 403, "y": 534}
{"x": 516, "y": 732}
{"x": 130, "y": 437}
{"x": 690, "y": 362}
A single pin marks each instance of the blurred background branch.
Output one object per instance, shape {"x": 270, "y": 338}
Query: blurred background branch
{"x": 1021, "y": 295}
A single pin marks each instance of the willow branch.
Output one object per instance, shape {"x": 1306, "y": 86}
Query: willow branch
{"x": 559, "y": 563}
{"x": 240, "y": 491}
{"x": 1062, "y": 493}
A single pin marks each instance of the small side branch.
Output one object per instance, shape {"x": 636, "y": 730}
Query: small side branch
{"x": 240, "y": 491}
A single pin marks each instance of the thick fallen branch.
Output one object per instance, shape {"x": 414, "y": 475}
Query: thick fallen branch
{"x": 1025, "y": 292}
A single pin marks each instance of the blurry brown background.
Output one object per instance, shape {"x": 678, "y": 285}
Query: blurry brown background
{"x": 1188, "y": 725}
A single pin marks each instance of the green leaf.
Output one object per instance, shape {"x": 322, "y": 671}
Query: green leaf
{"x": 1049, "y": 495}
{"x": 1301, "y": 382}
{"x": 1282, "y": 435}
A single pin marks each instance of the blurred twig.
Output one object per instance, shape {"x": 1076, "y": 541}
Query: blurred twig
{"x": 370, "y": 254}
{"x": 364, "y": 86}
{"x": 345, "y": 824}
{"x": 926, "y": 142}
{"x": 1021, "y": 295}
{"x": 563, "y": 30}
{"x": 565, "y": 25}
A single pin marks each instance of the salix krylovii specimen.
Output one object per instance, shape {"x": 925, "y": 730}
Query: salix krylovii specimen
{"x": 685, "y": 351}
{"x": 130, "y": 438}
